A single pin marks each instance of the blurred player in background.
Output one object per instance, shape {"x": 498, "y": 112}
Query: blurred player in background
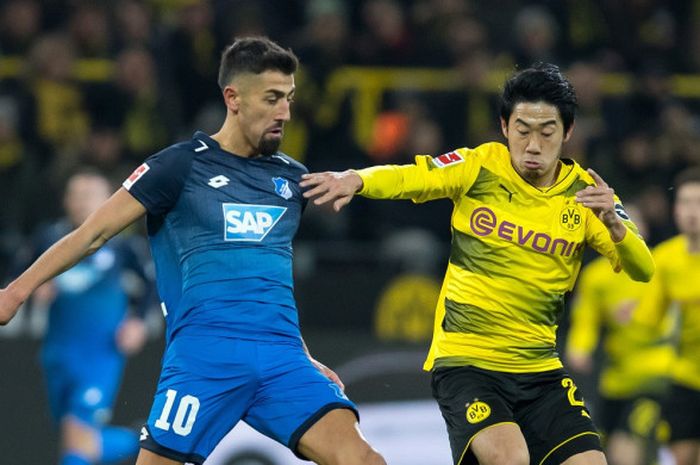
{"x": 676, "y": 287}
{"x": 634, "y": 372}
{"x": 221, "y": 212}
{"x": 521, "y": 218}
{"x": 90, "y": 330}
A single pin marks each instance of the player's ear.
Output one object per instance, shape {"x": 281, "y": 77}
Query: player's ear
{"x": 232, "y": 98}
{"x": 567, "y": 136}
{"x": 504, "y": 128}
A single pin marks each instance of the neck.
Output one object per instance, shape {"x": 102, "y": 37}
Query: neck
{"x": 546, "y": 181}
{"x": 231, "y": 139}
{"x": 693, "y": 243}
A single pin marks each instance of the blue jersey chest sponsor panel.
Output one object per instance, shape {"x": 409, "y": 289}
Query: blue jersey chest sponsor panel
{"x": 254, "y": 203}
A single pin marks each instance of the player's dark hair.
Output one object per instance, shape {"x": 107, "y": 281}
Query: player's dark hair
{"x": 687, "y": 176}
{"x": 254, "y": 55}
{"x": 543, "y": 82}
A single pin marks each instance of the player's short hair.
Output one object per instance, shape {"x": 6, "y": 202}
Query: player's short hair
{"x": 687, "y": 176}
{"x": 541, "y": 82}
{"x": 254, "y": 55}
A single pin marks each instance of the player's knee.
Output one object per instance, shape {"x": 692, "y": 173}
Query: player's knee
{"x": 80, "y": 438}
{"x": 505, "y": 456}
{"x": 362, "y": 455}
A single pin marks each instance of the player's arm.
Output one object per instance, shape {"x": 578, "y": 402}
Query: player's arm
{"x": 631, "y": 253}
{"x": 132, "y": 333}
{"x": 653, "y": 304}
{"x": 427, "y": 179}
{"x": 114, "y": 215}
{"x": 327, "y": 372}
{"x": 586, "y": 317}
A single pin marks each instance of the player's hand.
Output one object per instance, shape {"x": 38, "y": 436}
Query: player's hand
{"x": 9, "y": 304}
{"x": 331, "y": 186}
{"x": 328, "y": 373}
{"x": 131, "y": 335}
{"x": 601, "y": 200}
{"x": 580, "y": 363}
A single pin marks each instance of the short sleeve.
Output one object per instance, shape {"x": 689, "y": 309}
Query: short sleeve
{"x": 157, "y": 183}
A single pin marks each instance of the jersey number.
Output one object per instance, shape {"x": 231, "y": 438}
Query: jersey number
{"x": 184, "y": 417}
{"x": 569, "y": 384}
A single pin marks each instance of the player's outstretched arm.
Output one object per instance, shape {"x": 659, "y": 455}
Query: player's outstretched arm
{"x": 115, "y": 214}
{"x": 331, "y": 186}
{"x": 635, "y": 257}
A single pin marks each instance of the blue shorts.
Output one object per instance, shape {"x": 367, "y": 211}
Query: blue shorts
{"x": 208, "y": 384}
{"x": 83, "y": 385}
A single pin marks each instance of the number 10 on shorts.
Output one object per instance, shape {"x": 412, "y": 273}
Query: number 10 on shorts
{"x": 185, "y": 415}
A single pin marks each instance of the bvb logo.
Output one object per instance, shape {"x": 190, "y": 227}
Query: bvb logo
{"x": 571, "y": 218}
{"x": 477, "y": 411}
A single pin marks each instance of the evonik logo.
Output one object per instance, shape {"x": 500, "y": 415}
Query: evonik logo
{"x": 483, "y": 222}
{"x": 243, "y": 222}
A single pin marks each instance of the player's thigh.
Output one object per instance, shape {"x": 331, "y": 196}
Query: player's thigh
{"x": 624, "y": 448}
{"x": 293, "y": 396}
{"x": 78, "y": 436}
{"x": 685, "y": 452}
{"x": 555, "y": 421}
{"x": 681, "y": 409}
{"x": 501, "y": 444}
{"x": 146, "y": 457}
{"x": 478, "y": 404}
{"x": 336, "y": 439}
{"x": 589, "y": 457}
{"x": 95, "y": 388}
{"x": 206, "y": 385}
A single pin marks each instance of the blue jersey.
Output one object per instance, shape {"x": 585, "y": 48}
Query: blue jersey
{"x": 221, "y": 229}
{"x": 91, "y": 301}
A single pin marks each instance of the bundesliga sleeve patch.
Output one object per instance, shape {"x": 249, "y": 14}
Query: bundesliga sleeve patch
{"x": 446, "y": 159}
{"x": 135, "y": 176}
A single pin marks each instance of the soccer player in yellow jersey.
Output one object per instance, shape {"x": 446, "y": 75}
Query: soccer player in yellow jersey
{"x": 634, "y": 372}
{"x": 677, "y": 284}
{"x": 522, "y": 216}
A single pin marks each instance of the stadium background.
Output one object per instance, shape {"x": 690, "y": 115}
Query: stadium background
{"x": 107, "y": 83}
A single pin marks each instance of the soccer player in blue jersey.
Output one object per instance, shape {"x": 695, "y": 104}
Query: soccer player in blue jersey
{"x": 89, "y": 331}
{"x": 221, "y": 212}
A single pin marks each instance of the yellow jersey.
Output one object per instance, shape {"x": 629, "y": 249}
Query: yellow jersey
{"x": 605, "y": 300}
{"x": 676, "y": 284}
{"x": 516, "y": 251}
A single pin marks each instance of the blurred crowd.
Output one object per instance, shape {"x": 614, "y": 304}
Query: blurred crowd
{"x": 108, "y": 83}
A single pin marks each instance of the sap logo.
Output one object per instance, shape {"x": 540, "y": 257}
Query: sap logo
{"x": 244, "y": 222}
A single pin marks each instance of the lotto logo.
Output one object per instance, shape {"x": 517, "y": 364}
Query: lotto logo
{"x": 244, "y": 222}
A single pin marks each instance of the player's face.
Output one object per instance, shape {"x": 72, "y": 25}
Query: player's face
{"x": 687, "y": 209}
{"x": 535, "y": 134}
{"x": 84, "y": 194}
{"x": 265, "y": 105}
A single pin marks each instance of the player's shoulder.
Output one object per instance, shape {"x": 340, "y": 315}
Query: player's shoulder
{"x": 670, "y": 248}
{"x": 579, "y": 172}
{"x": 487, "y": 151}
{"x": 480, "y": 154}
{"x": 289, "y": 162}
